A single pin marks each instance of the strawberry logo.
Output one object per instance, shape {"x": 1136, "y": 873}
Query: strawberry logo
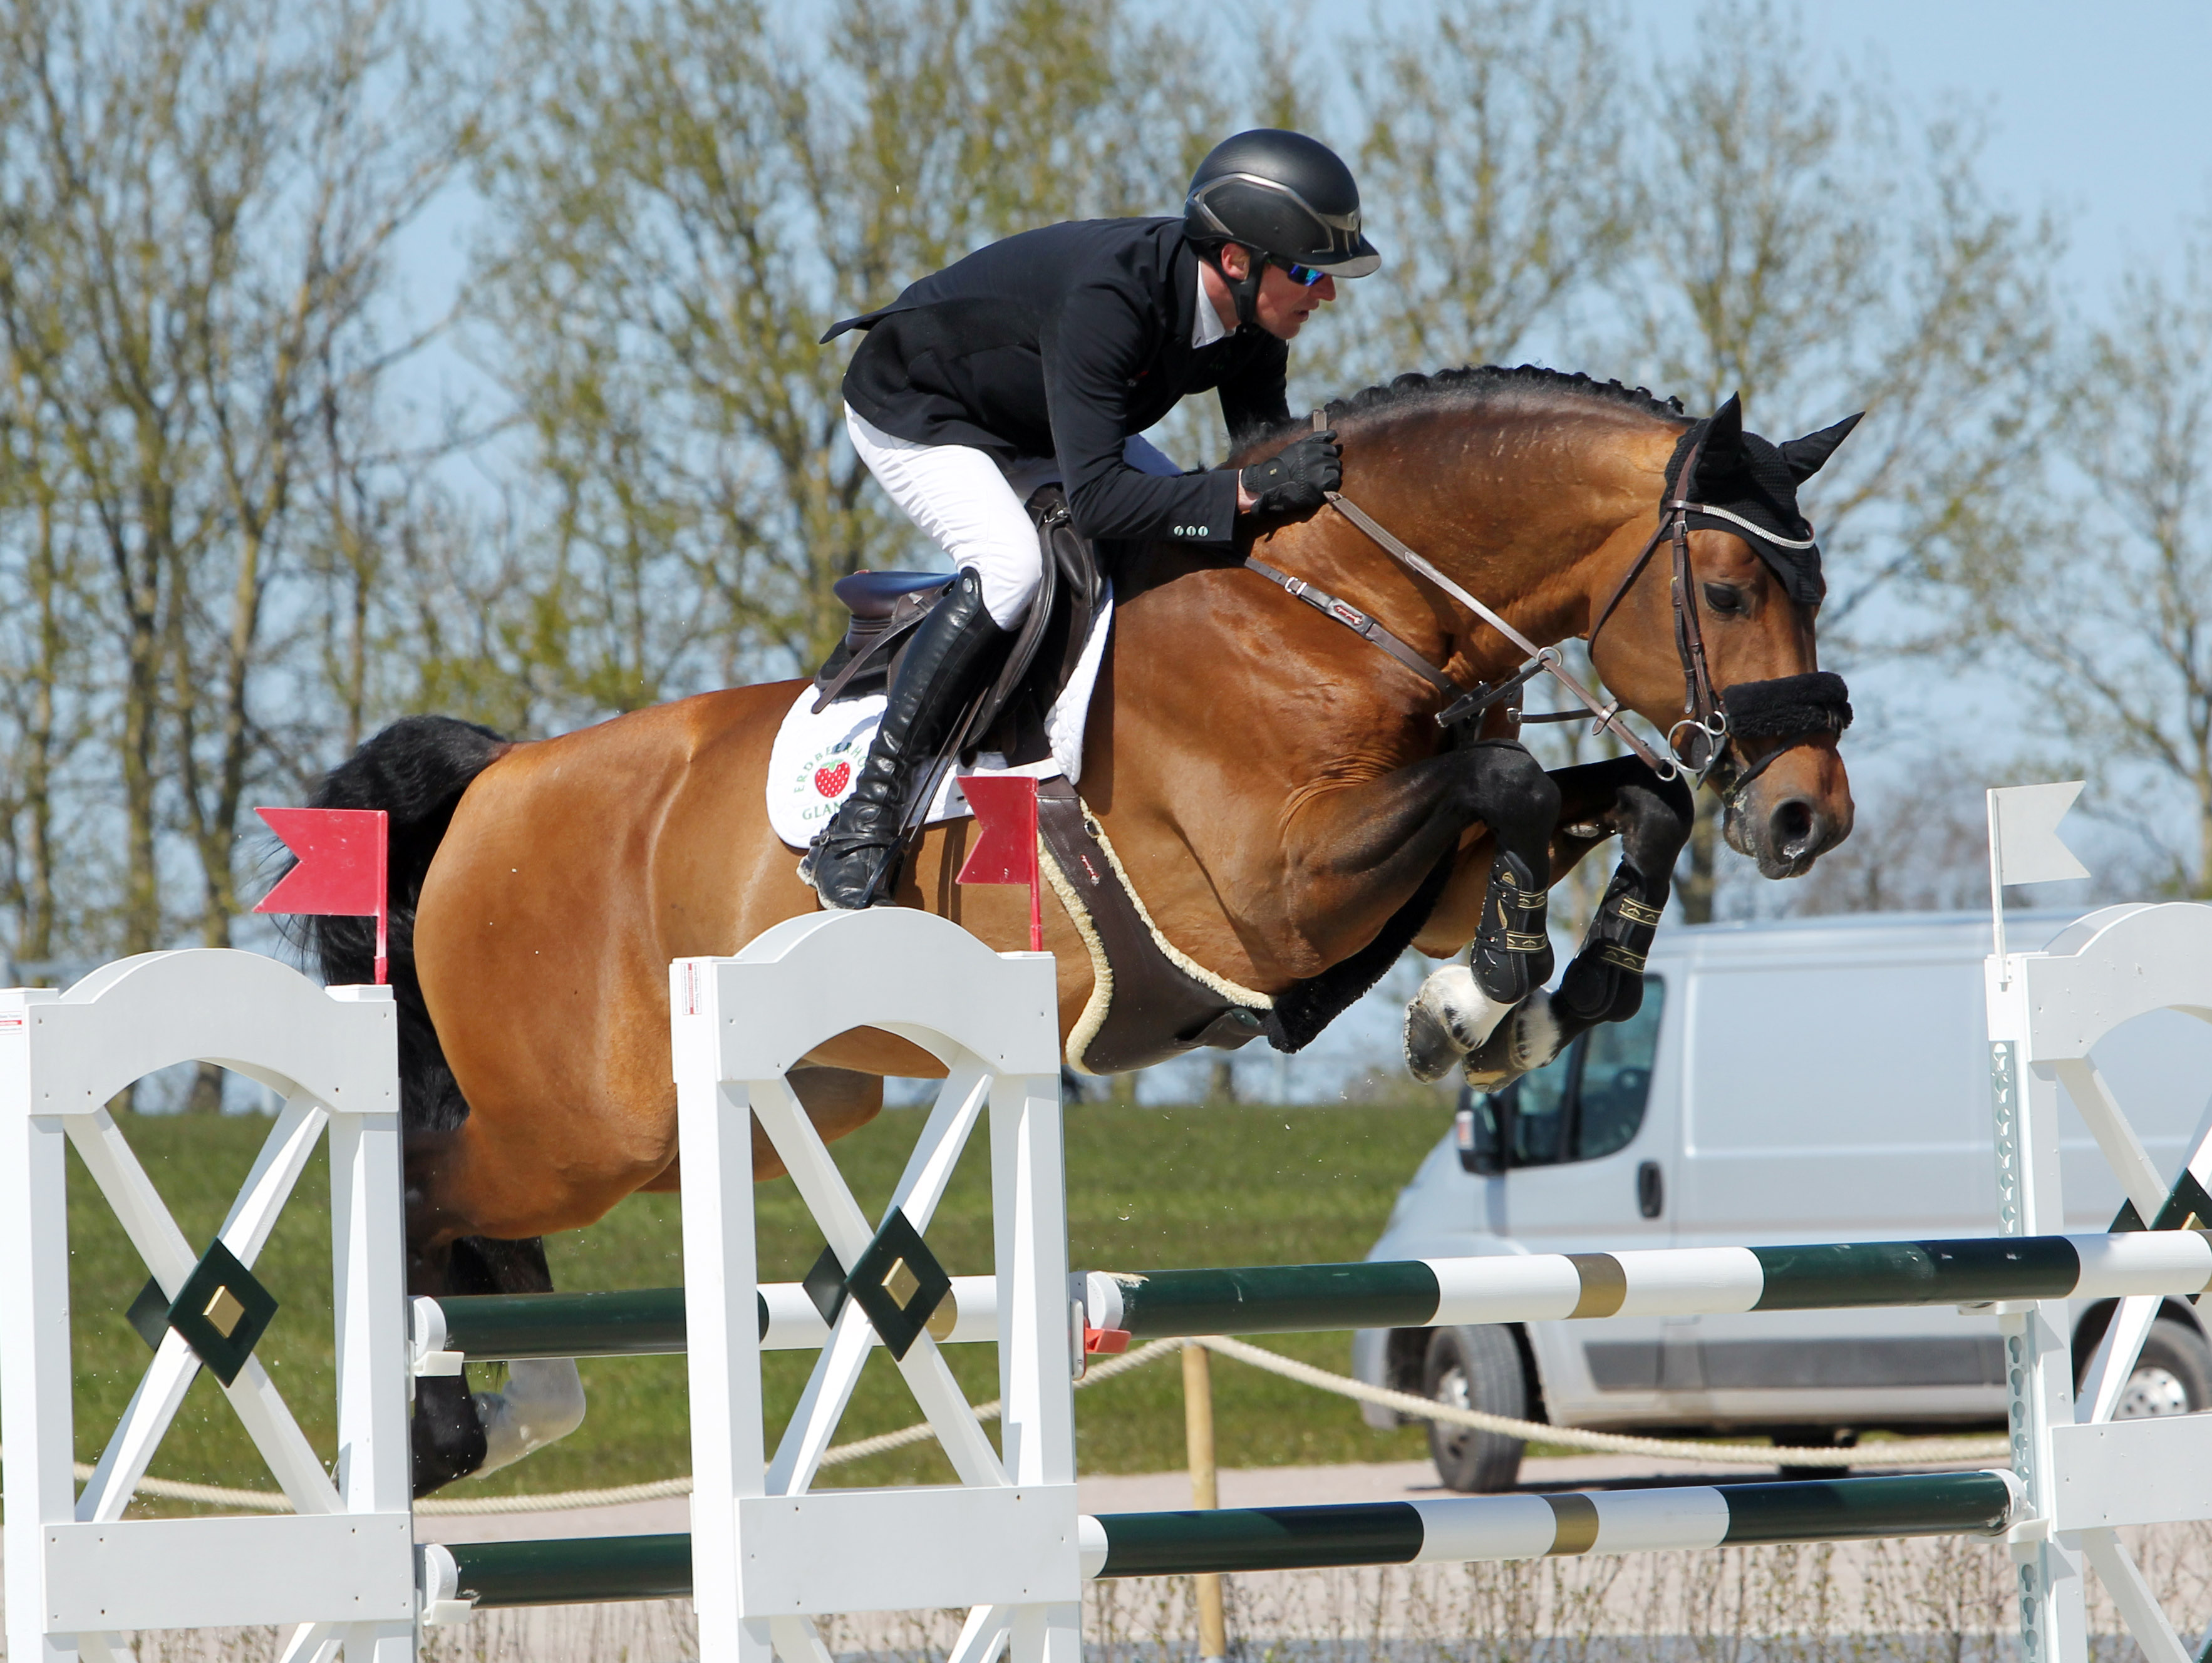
{"x": 830, "y": 782}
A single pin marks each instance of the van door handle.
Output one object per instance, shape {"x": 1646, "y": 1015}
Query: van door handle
{"x": 1650, "y": 1190}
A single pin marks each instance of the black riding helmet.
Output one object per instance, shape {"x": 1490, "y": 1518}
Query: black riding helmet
{"x": 1285, "y": 197}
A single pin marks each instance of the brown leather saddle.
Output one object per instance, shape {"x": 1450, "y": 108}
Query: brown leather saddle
{"x": 1009, "y": 717}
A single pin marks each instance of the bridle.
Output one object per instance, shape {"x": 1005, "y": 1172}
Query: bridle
{"x": 1695, "y": 747}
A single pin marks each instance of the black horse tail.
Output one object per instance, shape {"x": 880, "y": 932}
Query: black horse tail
{"x": 416, "y": 771}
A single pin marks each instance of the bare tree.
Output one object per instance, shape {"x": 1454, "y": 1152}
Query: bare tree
{"x": 2083, "y": 572}
{"x": 198, "y": 209}
{"x": 689, "y": 193}
{"x": 44, "y": 707}
{"x": 1496, "y": 162}
{"x": 1806, "y": 248}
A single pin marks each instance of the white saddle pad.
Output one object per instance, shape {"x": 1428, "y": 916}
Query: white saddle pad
{"x": 811, "y": 767}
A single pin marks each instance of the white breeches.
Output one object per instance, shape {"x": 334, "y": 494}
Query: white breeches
{"x": 971, "y": 508}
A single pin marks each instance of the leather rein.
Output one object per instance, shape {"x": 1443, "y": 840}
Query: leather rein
{"x": 1704, "y": 723}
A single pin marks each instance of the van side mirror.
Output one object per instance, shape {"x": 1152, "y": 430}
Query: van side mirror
{"x": 1478, "y": 1130}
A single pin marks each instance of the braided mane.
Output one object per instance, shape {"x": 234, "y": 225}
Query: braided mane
{"x": 1471, "y": 384}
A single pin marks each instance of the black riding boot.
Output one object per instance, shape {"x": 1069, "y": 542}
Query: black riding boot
{"x": 851, "y": 863}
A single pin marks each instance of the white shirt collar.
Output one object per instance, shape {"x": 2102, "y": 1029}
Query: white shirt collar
{"x": 1206, "y": 324}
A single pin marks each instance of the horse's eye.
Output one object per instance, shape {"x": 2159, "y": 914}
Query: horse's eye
{"x": 1726, "y": 599}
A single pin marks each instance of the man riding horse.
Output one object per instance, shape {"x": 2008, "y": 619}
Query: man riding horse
{"x": 1047, "y": 355}
{"x": 1299, "y": 760}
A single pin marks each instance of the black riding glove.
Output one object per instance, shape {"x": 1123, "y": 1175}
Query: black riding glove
{"x": 1294, "y": 479}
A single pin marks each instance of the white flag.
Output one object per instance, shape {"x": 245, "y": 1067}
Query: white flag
{"x": 2025, "y": 847}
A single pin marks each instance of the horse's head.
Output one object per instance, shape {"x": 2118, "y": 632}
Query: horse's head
{"x": 1706, "y": 629}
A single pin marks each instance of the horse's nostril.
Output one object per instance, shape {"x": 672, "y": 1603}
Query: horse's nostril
{"x": 1792, "y": 826}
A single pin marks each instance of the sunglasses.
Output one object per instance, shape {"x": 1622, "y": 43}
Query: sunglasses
{"x": 1305, "y": 275}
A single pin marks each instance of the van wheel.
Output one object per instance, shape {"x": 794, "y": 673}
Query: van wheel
{"x": 2174, "y": 1375}
{"x": 1475, "y": 1368}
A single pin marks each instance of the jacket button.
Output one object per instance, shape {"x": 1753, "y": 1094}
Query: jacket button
{"x": 1201, "y": 530}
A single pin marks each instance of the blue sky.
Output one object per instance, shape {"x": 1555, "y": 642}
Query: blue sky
{"x": 2098, "y": 111}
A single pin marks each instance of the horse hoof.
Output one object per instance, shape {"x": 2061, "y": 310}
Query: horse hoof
{"x": 1430, "y": 1053}
{"x": 447, "y": 1434}
{"x": 1450, "y": 1016}
{"x": 1531, "y": 1039}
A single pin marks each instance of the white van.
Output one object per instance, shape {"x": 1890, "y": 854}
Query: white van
{"x": 1816, "y": 1081}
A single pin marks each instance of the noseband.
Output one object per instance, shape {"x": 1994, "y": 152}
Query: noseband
{"x": 1795, "y": 709}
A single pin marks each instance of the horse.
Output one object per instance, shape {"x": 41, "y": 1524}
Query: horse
{"x": 1280, "y": 792}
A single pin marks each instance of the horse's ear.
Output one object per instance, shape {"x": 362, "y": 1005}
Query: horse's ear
{"x": 1723, "y": 448}
{"x": 1806, "y": 455}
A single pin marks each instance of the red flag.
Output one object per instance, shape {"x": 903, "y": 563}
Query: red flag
{"x": 1005, "y": 851}
{"x": 341, "y": 866}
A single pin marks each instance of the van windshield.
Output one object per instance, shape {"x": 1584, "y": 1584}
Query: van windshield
{"x": 1588, "y": 1101}
{"x": 1616, "y": 1079}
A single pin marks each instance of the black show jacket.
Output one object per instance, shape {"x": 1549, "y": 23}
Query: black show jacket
{"x": 1062, "y": 341}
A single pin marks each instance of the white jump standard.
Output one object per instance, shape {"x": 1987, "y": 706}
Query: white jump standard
{"x": 343, "y": 1568}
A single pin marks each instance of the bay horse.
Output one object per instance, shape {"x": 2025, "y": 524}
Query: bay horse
{"x": 1277, "y": 789}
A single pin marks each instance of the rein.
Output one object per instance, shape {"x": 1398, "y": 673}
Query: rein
{"x": 1818, "y": 695}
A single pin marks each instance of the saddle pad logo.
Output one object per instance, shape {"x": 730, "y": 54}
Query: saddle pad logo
{"x": 823, "y": 778}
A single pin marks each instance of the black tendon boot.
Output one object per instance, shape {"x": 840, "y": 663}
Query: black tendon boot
{"x": 1512, "y": 950}
{"x": 1606, "y": 982}
{"x": 852, "y": 861}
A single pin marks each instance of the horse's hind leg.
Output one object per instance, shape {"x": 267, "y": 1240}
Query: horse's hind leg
{"x": 1605, "y": 982}
{"x": 457, "y": 1433}
{"x": 1460, "y": 1005}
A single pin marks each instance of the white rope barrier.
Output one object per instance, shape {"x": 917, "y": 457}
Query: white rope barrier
{"x": 1903, "y": 1451}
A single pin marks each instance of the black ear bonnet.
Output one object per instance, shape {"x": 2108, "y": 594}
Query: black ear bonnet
{"x": 1756, "y": 481}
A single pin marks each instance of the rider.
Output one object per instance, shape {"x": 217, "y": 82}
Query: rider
{"x": 1044, "y": 356}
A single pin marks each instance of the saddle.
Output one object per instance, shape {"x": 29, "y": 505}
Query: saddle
{"x": 1009, "y": 719}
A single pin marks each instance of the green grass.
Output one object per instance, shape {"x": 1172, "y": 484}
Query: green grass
{"x": 1148, "y": 1189}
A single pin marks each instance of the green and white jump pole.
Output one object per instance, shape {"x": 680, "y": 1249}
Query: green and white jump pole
{"x": 1428, "y": 1293}
{"x": 1416, "y": 1293}
{"x": 1450, "y": 1530}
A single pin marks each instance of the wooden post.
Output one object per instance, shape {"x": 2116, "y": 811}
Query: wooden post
{"x": 1205, "y": 1491}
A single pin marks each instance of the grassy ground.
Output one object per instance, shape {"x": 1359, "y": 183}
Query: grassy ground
{"x": 1148, "y": 1188}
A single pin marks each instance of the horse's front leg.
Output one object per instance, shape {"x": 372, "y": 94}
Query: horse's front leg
{"x": 1459, "y": 1006}
{"x": 1605, "y": 982}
